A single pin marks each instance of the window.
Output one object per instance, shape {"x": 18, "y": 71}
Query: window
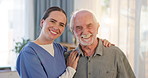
{"x": 14, "y": 24}
{"x": 143, "y": 53}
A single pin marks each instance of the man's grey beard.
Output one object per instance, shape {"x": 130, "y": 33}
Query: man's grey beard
{"x": 85, "y": 36}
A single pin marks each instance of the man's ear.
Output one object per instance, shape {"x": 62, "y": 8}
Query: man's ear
{"x": 98, "y": 25}
{"x": 74, "y": 34}
{"x": 41, "y": 23}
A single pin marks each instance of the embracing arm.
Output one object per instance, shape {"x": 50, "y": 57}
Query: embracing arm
{"x": 72, "y": 62}
{"x": 106, "y": 43}
{"x": 69, "y": 73}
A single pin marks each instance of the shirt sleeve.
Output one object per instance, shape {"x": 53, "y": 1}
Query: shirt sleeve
{"x": 69, "y": 73}
{"x": 29, "y": 66}
{"x": 124, "y": 68}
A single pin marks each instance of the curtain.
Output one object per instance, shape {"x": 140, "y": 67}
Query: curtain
{"x": 41, "y": 5}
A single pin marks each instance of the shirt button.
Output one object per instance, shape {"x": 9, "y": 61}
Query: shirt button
{"x": 107, "y": 72}
{"x": 89, "y": 73}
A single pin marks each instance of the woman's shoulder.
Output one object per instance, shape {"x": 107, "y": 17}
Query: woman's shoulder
{"x": 29, "y": 47}
{"x": 59, "y": 46}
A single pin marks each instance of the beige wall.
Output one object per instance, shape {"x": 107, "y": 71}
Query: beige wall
{"x": 9, "y": 75}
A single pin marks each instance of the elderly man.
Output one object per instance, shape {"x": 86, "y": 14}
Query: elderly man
{"x": 96, "y": 61}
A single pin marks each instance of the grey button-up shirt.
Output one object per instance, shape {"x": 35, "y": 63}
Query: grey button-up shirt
{"x": 107, "y": 62}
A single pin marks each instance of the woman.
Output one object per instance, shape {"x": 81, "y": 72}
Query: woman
{"x": 43, "y": 58}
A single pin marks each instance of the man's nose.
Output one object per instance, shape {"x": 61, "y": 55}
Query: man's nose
{"x": 85, "y": 31}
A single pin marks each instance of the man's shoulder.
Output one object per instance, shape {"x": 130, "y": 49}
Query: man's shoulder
{"x": 66, "y": 54}
{"x": 113, "y": 50}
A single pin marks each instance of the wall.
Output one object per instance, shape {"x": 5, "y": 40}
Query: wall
{"x": 12, "y": 74}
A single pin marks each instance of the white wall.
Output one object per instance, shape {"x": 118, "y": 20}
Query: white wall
{"x": 29, "y": 19}
{"x": 88, "y": 4}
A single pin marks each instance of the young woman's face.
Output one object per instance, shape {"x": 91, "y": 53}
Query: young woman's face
{"x": 53, "y": 26}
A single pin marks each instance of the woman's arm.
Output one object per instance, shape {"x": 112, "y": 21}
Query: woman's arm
{"x": 106, "y": 43}
{"x": 72, "y": 62}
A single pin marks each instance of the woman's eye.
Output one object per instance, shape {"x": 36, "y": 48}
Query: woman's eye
{"x": 52, "y": 21}
{"x": 62, "y": 25}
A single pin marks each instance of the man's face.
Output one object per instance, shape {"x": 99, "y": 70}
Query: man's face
{"x": 85, "y": 28}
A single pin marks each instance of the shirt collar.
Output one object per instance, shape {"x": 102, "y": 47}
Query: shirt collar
{"x": 98, "y": 51}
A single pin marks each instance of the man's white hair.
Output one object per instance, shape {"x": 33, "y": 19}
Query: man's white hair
{"x": 78, "y": 11}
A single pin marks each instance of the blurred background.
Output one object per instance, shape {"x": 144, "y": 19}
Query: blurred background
{"x": 123, "y": 23}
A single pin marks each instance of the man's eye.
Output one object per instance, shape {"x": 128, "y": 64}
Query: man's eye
{"x": 89, "y": 26}
{"x": 78, "y": 27}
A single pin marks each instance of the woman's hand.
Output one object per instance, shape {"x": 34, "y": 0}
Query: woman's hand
{"x": 106, "y": 43}
{"x": 72, "y": 60}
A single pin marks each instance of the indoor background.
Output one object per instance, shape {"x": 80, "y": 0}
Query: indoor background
{"x": 123, "y": 22}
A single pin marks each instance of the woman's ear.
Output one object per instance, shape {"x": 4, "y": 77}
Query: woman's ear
{"x": 98, "y": 25}
{"x": 41, "y": 23}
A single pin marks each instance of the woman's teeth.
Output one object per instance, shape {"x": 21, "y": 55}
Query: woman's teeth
{"x": 53, "y": 32}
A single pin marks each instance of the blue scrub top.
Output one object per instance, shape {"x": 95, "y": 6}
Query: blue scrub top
{"x": 36, "y": 62}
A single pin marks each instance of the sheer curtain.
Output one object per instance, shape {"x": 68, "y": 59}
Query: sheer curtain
{"x": 127, "y": 29}
{"x": 15, "y": 25}
{"x": 12, "y": 23}
{"x": 124, "y": 23}
{"x": 142, "y": 70}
